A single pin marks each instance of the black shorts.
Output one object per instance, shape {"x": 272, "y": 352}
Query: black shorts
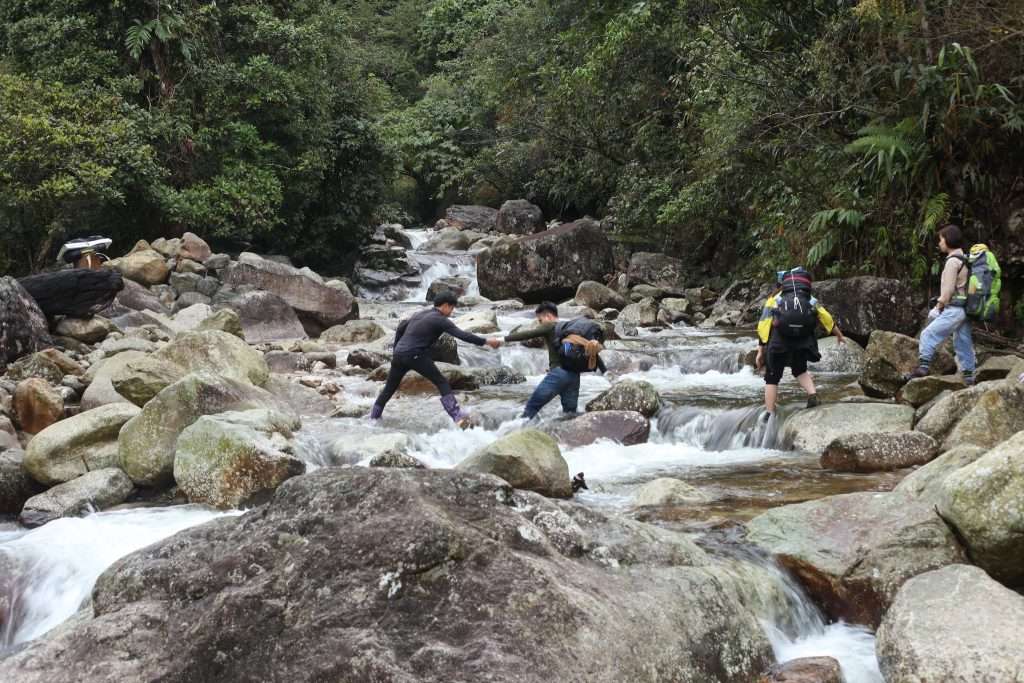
{"x": 776, "y": 363}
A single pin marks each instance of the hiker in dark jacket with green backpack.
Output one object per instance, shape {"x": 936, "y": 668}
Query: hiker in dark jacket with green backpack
{"x": 968, "y": 291}
{"x": 573, "y": 347}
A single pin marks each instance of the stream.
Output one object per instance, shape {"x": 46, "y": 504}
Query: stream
{"x": 710, "y": 435}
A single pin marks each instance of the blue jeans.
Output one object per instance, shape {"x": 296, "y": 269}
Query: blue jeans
{"x": 558, "y": 382}
{"x": 953, "y": 320}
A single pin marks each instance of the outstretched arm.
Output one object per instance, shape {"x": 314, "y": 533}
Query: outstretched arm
{"x": 452, "y": 329}
{"x": 523, "y": 333}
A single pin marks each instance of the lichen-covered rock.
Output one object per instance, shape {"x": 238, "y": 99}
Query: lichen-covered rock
{"x": 518, "y": 217}
{"x": 919, "y": 391}
{"x": 598, "y": 297}
{"x": 394, "y": 459}
{"x": 813, "y": 430}
{"x": 139, "y": 380}
{"x": 640, "y": 397}
{"x": 926, "y": 482}
{"x": 147, "y": 442}
{"x": 997, "y": 415}
{"x": 37, "y": 405}
{"x": 236, "y": 458}
{"x": 668, "y": 491}
{"x": 984, "y": 501}
{"x": 946, "y": 412}
{"x": 72, "y": 447}
{"x": 878, "y": 452}
{"x": 38, "y": 365}
{"x": 853, "y": 552}
{"x": 953, "y": 624}
{"x": 353, "y": 332}
{"x": 89, "y": 331}
{"x": 100, "y": 391}
{"x": 219, "y": 352}
{"x": 657, "y": 270}
{"x": 23, "y": 327}
{"x": 528, "y": 459}
{"x": 889, "y": 357}
{"x": 95, "y": 490}
{"x": 147, "y": 267}
{"x": 643, "y": 313}
{"x": 266, "y": 317}
{"x": 547, "y": 265}
{"x": 437, "y": 576}
{"x": 16, "y": 486}
{"x": 471, "y": 217}
{"x": 224, "y": 320}
{"x": 621, "y": 426}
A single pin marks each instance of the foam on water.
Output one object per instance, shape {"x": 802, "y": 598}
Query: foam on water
{"x": 853, "y": 646}
{"x": 57, "y": 564}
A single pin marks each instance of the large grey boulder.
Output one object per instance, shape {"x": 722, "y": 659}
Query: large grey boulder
{"x": 878, "y": 452}
{"x": 813, "y": 430}
{"x": 889, "y": 357}
{"x": 643, "y": 313}
{"x": 353, "y": 332}
{"x": 631, "y": 395}
{"x": 847, "y": 358}
{"x": 921, "y": 390}
{"x": 547, "y": 265}
{"x": 983, "y": 501}
{"x": 947, "y": 411}
{"x": 626, "y": 427}
{"x": 953, "y": 624}
{"x": 140, "y": 379}
{"x": 86, "y": 330}
{"x": 23, "y": 327}
{"x": 449, "y": 239}
{"x": 16, "y": 486}
{"x": 519, "y": 217}
{"x": 478, "y": 322}
{"x": 148, "y": 441}
{"x": 95, "y": 490}
{"x": 353, "y": 574}
{"x": 219, "y": 352}
{"x": 926, "y": 482}
{"x": 657, "y": 270}
{"x": 861, "y": 305}
{"x": 853, "y": 552}
{"x": 528, "y": 459}
{"x": 266, "y": 317}
{"x": 101, "y": 391}
{"x": 72, "y": 447}
{"x": 997, "y": 415}
{"x": 236, "y": 458}
{"x": 471, "y": 217}
{"x": 145, "y": 266}
{"x": 313, "y": 299}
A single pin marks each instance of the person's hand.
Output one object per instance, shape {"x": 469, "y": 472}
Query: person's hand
{"x": 935, "y": 312}
{"x": 493, "y": 342}
{"x": 840, "y": 337}
{"x": 760, "y": 357}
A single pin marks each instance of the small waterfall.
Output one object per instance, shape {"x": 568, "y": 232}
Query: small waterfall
{"x": 47, "y": 574}
{"x": 720, "y": 430}
{"x": 436, "y": 266}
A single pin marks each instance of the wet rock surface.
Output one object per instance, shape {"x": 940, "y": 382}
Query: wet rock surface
{"x": 879, "y": 452}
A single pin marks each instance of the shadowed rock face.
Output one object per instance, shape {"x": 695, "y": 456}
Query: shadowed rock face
{"x": 863, "y": 304}
{"x": 547, "y": 265}
{"x": 23, "y": 328}
{"x": 400, "y": 575}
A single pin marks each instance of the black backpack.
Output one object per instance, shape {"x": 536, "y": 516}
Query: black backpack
{"x": 794, "y": 314}
{"x": 574, "y": 358}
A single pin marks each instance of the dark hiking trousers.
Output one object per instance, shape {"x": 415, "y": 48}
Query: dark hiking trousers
{"x": 401, "y": 364}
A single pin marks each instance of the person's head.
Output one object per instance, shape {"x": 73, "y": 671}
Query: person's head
{"x": 446, "y": 302}
{"x": 547, "y": 312}
{"x": 951, "y": 238}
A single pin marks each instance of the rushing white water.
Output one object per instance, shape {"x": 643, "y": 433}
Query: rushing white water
{"x": 50, "y": 571}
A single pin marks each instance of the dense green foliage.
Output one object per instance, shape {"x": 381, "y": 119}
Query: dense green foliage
{"x": 838, "y": 134}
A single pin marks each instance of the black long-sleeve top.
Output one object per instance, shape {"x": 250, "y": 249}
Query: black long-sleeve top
{"x": 418, "y": 333}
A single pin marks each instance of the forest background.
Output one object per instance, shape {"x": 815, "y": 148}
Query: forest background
{"x": 743, "y": 136}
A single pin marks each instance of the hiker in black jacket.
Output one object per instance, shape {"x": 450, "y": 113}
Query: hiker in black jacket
{"x": 413, "y": 340}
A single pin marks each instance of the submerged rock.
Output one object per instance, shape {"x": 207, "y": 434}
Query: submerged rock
{"x": 984, "y": 501}
{"x": 853, "y": 552}
{"x": 236, "y": 458}
{"x": 668, "y": 491}
{"x": 408, "y": 575}
{"x": 878, "y": 452}
{"x": 953, "y": 624}
{"x": 72, "y": 447}
{"x": 528, "y": 460}
{"x": 629, "y": 395}
{"x": 96, "y": 490}
{"x": 814, "y": 429}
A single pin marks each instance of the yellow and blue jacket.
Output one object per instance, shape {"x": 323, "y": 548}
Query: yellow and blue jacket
{"x": 764, "y": 327}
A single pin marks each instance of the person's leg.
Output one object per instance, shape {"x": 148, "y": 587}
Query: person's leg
{"x": 424, "y": 365}
{"x": 395, "y": 375}
{"x": 934, "y": 334}
{"x": 963, "y": 343}
{"x": 804, "y": 377}
{"x": 570, "y": 393}
{"x": 775, "y": 364}
{"x": 548, "y": 388}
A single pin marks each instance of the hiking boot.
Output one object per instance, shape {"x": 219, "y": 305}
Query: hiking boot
{"x": 812, "y": 401}
{"x": 969, "y": 379}
{"x": 917, "y": 373}
{"x": 376, "y": 412}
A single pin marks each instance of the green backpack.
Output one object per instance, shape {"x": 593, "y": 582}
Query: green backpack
{"x": 983, "y": 285}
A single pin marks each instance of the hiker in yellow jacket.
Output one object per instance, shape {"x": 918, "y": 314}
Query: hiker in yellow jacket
{"x": 786, "y": 336}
